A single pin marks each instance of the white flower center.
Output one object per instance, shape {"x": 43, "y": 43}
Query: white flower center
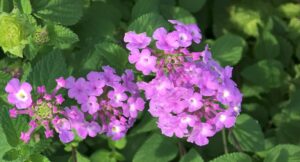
{"x": 223, "y": 117}
{"x": 21, "y": 95}
{"x": 236, "y": 109}
{"x": 185, "y": 119}
{"x": 132, "y": 107}
{"x": 116, "y": 129}
{"x": 193, "y": 102}
{"x": 118, "y": 97}
{"x": 226, "y": 93}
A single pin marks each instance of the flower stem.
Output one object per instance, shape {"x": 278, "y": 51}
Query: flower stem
{"x": 74, "y": 157}
{"x": 224, "y": 141}
{"x": 182, "y": 150}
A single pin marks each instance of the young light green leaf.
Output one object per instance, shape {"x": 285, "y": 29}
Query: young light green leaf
{"x": 280, "y": 153}
{"x": 119, "y": 144}
{"x": 191, "y": 156}
{"x": 228, "y": 49}
{"x": 65, "y": 12}
{"x": 62, "y": 37}
{"x": 247, "y": 134}
{"x": 49, "y": 68}
{"x": 289, "y": 10}
{"x": 156, "y": 148}
{"x": 233, "y": 157}
{"x": 266, "y": 73}
{"x": 148, "y": 23}
{"x": 192, "y": 5}
{"x": 25, "y": 6}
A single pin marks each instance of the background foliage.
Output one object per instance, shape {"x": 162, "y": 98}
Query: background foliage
{"x": 260, "y": 38}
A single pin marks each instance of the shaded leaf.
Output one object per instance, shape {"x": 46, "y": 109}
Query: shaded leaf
{"x": 191, "y": 156}
{"x": 248, "y": 134}
{"x": 228, "y": 49}
{"x": 156, "y": 148}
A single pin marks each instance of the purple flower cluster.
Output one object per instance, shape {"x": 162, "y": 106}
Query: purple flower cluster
{"x": 192, "y": 95}
{"x": 111, "y": 101}
{"x": 41, "y": 111}
{"x": 106, "y": 103}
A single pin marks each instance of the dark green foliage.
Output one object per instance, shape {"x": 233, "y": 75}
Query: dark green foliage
{"x": 259, "y": 38}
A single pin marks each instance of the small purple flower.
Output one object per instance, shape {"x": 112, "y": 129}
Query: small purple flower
{"x": 19, "y": 94}
{"x": 93, "y": 129}
{"x": 96, "y": 84}
{"x": 195, "y": 102}
{"x": 66, "y": 136}
{"x": 201, "y": 133}
{"x": 144, "y": 61}
{"x": 116, "y": 130}
{"x": 91, "y": 105}
{"x": 133, "y": 106}
{"x": 79, "y": 90}
{"x": 136, "y": 41}
{"x": 117, "y": 96}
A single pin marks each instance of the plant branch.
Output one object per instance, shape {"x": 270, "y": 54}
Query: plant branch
{"x": 182, "y": 150}
{"x": 74, "y": 157}
{"x": 224, "y": 141}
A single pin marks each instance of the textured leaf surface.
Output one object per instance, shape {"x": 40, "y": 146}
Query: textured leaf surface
{"x": 156, "y": 148}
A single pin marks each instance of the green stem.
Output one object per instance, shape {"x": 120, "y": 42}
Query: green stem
{"x": 74, "y": 157}
{"x": 182, "y": 150}
{"x": 224, "y": 141}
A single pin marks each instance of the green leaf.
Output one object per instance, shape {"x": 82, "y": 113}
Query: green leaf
{"x": 61, "y": 36}
{"x": 294, "y": 28}
{"x": 286, "y": 48}
{"x": 80, "y": 158}
{"x": 5, "y": 5}
{"x": 4, "y": 145}
{"x": 298, "y": 51}
{"x": 119, "y": 144}
{"x": 4, "y": 78}
{"x": 192, "y": 5}
{"x": 286, "y": 153}
{"x": 11, "y": 155}
{"x": 178, "y": 13}
{"x": 147, "y": 124}
{"x": 142, "y": 7}
{"x": 192, "y": 156}
{"x": 148, "y": 23}
{"x": 156, "y": 148}
{"x": 266, "y": 46}
{"x": 11, "y": 127}
{"x": 233, "y": 157}
{"x": 266, "y": 73}
{"x": 105, "y": 156}
{"x": 49, "y": 68}
{"x": 113, "y": 55}
{"x": 288, "y": 123}
{"x": 248, "y": 134}
{"x": 38, "y": 158}
{"x": 65, "y": 12}
{"x": 290, "y": 10}
{"x": 228, "y": 49}
{"x": 25, "y": 6}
